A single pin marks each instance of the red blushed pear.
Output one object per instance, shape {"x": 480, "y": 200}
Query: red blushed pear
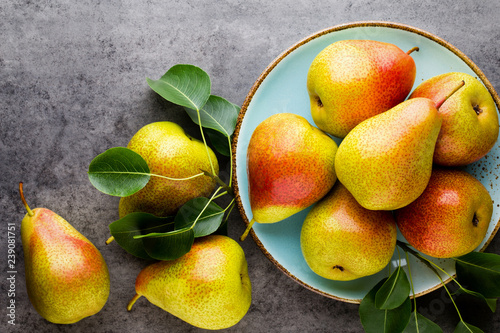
{"x": 470, "y": 119}
{"x": 290, "y": 166}
{"x": 450, "y": 218}
{"x": 352, "y": 80}
{"x": 386, "y": 161}
{"x": 66, "y": 276}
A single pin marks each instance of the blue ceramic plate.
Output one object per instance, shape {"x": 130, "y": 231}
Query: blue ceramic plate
{"x": 282, "y": 88}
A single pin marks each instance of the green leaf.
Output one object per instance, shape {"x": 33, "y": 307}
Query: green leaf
{"x": 491, "y": 302}
{"x": 184, "y": 85}
{"x": 207, "y": 215}
{"x": 420, "y": 324}
{"x": 168, "y": 246}
{"x": 119, "y": 171}
{"x": 217, "y": 114}
{"x": 134, "y": 224}
{"x": 376, "y": 320}
{"x": 394, "y": 291}
{"x": 463, "y": 327}
{"x": 219, "y": 141}
{"x": 480, "y": 272}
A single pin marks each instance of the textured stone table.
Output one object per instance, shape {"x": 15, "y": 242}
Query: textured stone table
{"x": 72, "y": 84}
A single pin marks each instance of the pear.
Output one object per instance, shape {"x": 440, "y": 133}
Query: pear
{"x": 450, "y": 218}
{"x": 386, "y": 161}
{"x": 352, "y": 80}
{"x": 66, "y": 276}
{"x": 208, "y": 287}
{"x": 171, "y": 153}
{"x": 290, "y": 166}
{"x": 341, "y": 240}
{"x": 470, "y": 118}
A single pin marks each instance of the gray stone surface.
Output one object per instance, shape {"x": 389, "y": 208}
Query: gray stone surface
{"x": 72, "y": 84}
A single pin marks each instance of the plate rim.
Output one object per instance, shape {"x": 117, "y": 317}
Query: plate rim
{"x": 268, "y": 70}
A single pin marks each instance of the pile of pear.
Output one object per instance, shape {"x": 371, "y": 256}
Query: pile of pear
{"x": 399, "y": 164}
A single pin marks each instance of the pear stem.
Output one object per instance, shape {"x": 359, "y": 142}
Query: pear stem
{"x": 413, "y": 49}
{"x": 30, "y": 212}
{"x": 458, "y": 86}
{"x": 110, "y": 239}
{"x": 247, "y": 230}
{"x": 132, "y": 301}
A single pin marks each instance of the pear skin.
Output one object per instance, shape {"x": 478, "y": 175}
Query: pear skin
{"x": 290, "y": 166}
{"x": 470, "y": 118}
{"x": 352, "y": 80}
{"x": 66, "y": 276}
{"x": 343, "y": 241}
{"x": 386, "y": 161}
{"x": 450, "y": 218}
{"x": 208, "y": 287}
{"x": 169, "y": 152}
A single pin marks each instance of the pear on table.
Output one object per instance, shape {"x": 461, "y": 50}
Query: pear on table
{"x": 470, "y": 118}
{"x": 290, "y": 166}
{"x": 352, "y": 80}
{"x": 386, "y": 161}
{"x": 66, "y": 276}
{"x": 450, "y": 218}
{"x": 341, "y": 240}
{"x": 170, "y": 152}
{"x": 208, "y": 287}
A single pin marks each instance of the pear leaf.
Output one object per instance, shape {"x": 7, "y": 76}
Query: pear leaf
{"x": 205, "y": 215}
{"x": 134, "y": 224}
{"x": 375, "y": 320}
{"x": 394, "y": 291}
{"x": 491, "y": 302}
{"x": 479, "y": 271}
{"x": 420, "y": 324}
{"x": 169, "y": 245}
{"x": 219, "y": 141}
{"x": 463, "y": 327}
{"x": 217, "y": 114}
{"x": 185, "y": 85}
{"x": 119, "y": 172}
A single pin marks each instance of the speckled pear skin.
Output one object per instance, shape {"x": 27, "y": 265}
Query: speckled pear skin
{"x": 450, "y": 218}
{"x": 290, "y": 166}
{"x": 66, "y": 276}
{"x": 208, "y": 287}
{"x": 470, "y": 119}
{"x": 170, "y": 152}
{"x": 343, "y": 241}
{"x": 352, "y": 80}
{"x": 386, "y": 161}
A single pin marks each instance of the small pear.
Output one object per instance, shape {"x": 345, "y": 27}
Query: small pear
{"x": 352, "y": 80}
{"x": 170, "y": 152}
{"x": 208, "y": 287}
{"x": 66, "y": 276}
{"x": 290, "y": 166}
{"x": 341, "y": 240}
{"x": 386, "y": 161}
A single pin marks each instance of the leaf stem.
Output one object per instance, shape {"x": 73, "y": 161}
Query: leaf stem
{"x": 205, "y": 141}
{"x": 219, "y": 181}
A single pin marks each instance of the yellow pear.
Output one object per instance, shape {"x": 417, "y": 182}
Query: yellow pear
{"x": 341, "y": 240}
{"x": 66, "y": 276}
{"x": 170, "y": 152}
{"x": 208, "y": 287}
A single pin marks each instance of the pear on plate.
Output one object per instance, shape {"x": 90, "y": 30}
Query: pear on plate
{"x": 171, "y": 153}
{"x": 341, "y": 240}
{"x": 352, "y": 80}
{"x": 450, "y": 218}
{"x": 290, "y": 166}
{"x": 470, "y": 118}
{"x": 386, "y": 161}
{"x": 67, "y": 278}
{"x": 208, "y": 287}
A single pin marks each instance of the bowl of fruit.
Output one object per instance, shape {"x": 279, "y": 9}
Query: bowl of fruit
{"x": 364, "y": 149}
